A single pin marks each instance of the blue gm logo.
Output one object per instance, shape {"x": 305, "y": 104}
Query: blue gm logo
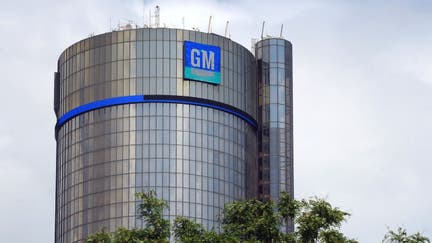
{"x": 202, "y": 62}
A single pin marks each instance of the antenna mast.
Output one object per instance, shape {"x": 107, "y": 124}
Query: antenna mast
{"x": 209, "y": 25}
{"x": 157, "y": 16}
{"x": 262, "y": 30}
{"x": 281, "y": 31}
{"x": 226, "y": 28}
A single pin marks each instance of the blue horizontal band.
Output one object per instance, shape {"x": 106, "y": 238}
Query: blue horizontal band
{"x": 141, "y": 99}
{"x": 97, "y": 105}
{"x": 205, "y": 105}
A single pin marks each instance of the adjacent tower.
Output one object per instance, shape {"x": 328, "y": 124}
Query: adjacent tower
{"x": 275, "y": 114}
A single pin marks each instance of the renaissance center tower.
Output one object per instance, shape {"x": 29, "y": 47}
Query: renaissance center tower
{"x": 195, "y": 116}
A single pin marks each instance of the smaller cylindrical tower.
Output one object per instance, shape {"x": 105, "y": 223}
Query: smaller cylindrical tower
{"x": 275, "y": 116}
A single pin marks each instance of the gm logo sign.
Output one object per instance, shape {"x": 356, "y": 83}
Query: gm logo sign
{"x": 201, "y": 62}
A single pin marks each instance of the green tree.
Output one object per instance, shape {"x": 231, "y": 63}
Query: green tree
{"x": 247, "y": 221}
{"x": 334, "y": 236}
{"x": 401, "y": 236}
{"x": 251, "y": 220}
{"x": 242, "y": 221}
{"x": 151, "y": 211}
{"x": 100, "y": 237}
{"x": 317, "y": 219}
{"x": 256, "y": 221}
{"x": 188, "y": 231}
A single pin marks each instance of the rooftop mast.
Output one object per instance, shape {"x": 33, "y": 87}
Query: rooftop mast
{"x": 226, "y": 28}
{"x": 157, "y": 16}
{"x": 281, "y": 31}
{"x": 209, "y": 25}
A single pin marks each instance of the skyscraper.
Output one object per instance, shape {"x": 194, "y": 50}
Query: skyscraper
{"x": 275, "y": 128}
{"x": 186, "y": 113}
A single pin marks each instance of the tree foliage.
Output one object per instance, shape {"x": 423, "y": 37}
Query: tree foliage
{"x": 251, "y": 220}
{"x": 401, "y": 236}
{"x": 151, "y": 211}
{"x": 247, "y": 221}
{"x": 242, "y": 221}
{"x": 257, "y": 221}
{"x": 188, "y": 231}
{"x": 317, "y": 219}
{"x": 100, "y": 237}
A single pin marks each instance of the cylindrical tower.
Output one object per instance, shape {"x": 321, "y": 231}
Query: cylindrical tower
{"x": 275, "y": 116}
{"x": 130, "y": 119}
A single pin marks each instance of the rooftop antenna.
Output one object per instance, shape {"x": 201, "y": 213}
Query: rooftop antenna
{"x": 281, "y": 31}
{"x": 157, "y": 16}
{"x": 226, "y": 28}
{"x": 209, "y": 25}
{"x": 262, "y": 30}
{"x": 183, "y": 22}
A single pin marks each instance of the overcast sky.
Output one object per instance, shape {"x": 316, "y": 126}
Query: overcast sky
{"x": 362, "y": 100}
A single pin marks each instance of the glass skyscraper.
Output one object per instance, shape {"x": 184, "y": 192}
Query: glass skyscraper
{"x": 129, "y": 120}
{"x": 275, "y": 133}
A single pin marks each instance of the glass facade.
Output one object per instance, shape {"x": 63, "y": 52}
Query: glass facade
{"x": 275, "y": 130}
{"x": 197, "y": 158}
{"x": 150, "y": 61}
